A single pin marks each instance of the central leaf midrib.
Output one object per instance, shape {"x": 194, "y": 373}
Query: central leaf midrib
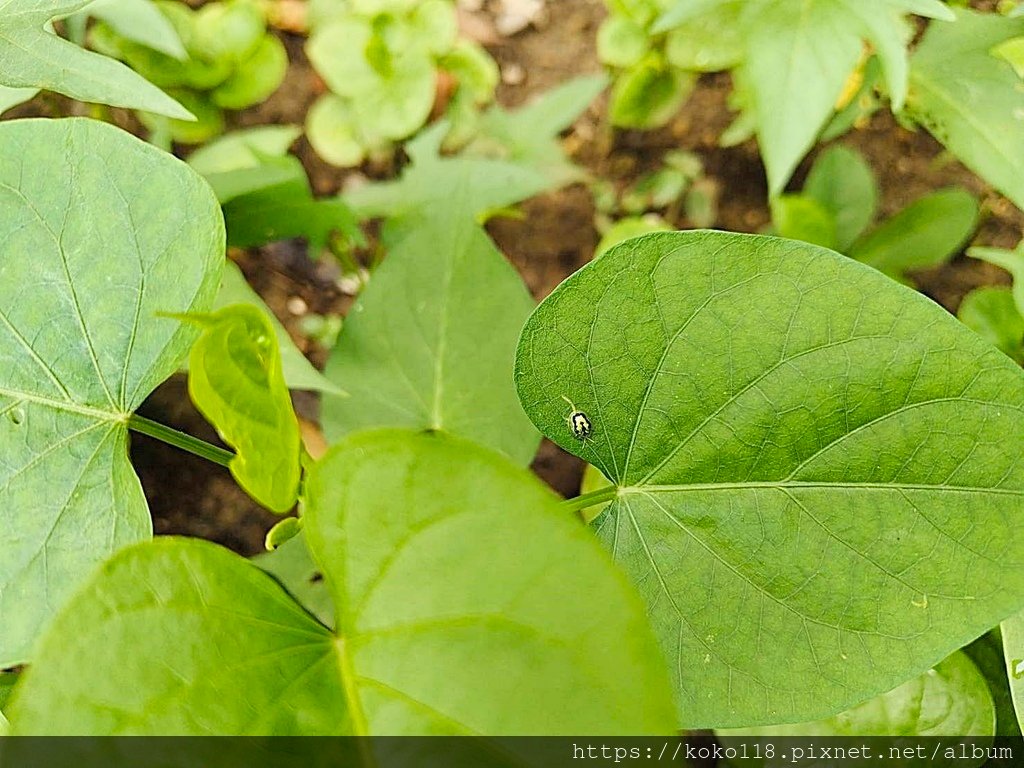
{"x": 783, "y": 485}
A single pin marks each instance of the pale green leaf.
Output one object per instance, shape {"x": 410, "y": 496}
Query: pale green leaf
{"x": 299, "y": 373}
{"x": 628, "y": 228}
{"x": 444, "y": 625}
{"x": 797, "y": 61}
{"x": 971, "y": 100}
{"x": 12, "y": 97}
{"x": 924, "y": 234}
{"x": 245, "y": 148}
{"x": 992, "y": 313}
{"x": 139, "y": 21}
{"x": 708, "y": 42}
{"x": 33, "y": 57}
{"x": 255, "y": 78}
{"x": 950, "y": 700}
{"x": 621, "y": 42}
{"x": 529, "y": 135}
{"x": 430, "y": 343}
{"x": 91, "y": 253}
{"x": 463, "y": 186}
{"x": 843, "y": 183}
{"x": 332, "y": 131}
{"x": 818, "y": 484}
{"x": 236, "y": 382}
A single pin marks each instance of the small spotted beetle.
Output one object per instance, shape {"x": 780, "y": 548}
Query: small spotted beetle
{"x": 578, "y": 421}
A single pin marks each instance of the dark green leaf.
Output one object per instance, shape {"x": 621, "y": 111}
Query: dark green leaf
{"x": 818, "y": 484}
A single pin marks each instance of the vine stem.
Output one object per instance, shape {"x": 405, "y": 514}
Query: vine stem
{"x": 589, "y": 499}
{"x": 185, "y": 442}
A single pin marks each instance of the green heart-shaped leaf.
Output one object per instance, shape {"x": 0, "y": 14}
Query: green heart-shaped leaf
{"x": 950, "y": 700}
{"x": 453, "y": 610}
{"x": 32, "y": 57}
{"x": 91, "y": 253}
{"x": 817, "y": 471}
{"x": 431, "y": 342}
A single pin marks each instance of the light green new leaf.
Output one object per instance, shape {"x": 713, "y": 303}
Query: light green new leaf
{"x": 446, "y": 622}
{"x": 299, "y": 373}
{"x": 950, "y": 700}
{"x": 236, "y": 382}
{"x": 139, "y": 21}
{"x": 32, "y": 57}
{"x": 529, "y": 136}
{"x": 992, "y": 313}
{"x": 842, "y": 182}
{"x": 819, "y": 481}
{"x": 971, "y": 100}
{"x": 476, "y": 185}
{"x": 245, "y": 148}
{"x": 924, "y": 234}
{"x": 91, "y": 252}
{"x": 430, "y": 343}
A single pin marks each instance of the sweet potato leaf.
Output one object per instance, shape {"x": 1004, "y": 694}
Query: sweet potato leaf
{"x": 444, "y": 626}
{"x": 139, "y": 21}
{"x": 236, "y": 382}
{"x": 815, "y": 490}
{"x": 952, "y": 699}
{"x": 430, "y": 343}
{"x": 843, "y": 184}
{"x": 797, "y": 57}
{"x": 91, "y": 253}
{"x": 299, "y": 373}
{"x": 33, "y": 57}
{"x": 924, "y": 234}
{"x": 972, "y": 100}
{"x": 1011, "y": 261}
{"x": 992, "y": 313}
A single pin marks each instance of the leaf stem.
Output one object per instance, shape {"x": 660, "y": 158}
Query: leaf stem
{"x": 589, "y": 499}
{"x": 193, "y": 445}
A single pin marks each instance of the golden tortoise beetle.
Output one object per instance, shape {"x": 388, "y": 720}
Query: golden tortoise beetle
{"x": 579, "y": 423}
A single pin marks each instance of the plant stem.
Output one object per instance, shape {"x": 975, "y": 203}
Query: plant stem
{"x": 185, "y": 442}
{"x": 589, "y": 499}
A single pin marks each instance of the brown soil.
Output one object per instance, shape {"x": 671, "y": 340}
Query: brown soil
{"x": 555, "y": 237}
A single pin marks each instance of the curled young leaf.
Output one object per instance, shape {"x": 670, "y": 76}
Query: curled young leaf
{"x": 236, "y": 381}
